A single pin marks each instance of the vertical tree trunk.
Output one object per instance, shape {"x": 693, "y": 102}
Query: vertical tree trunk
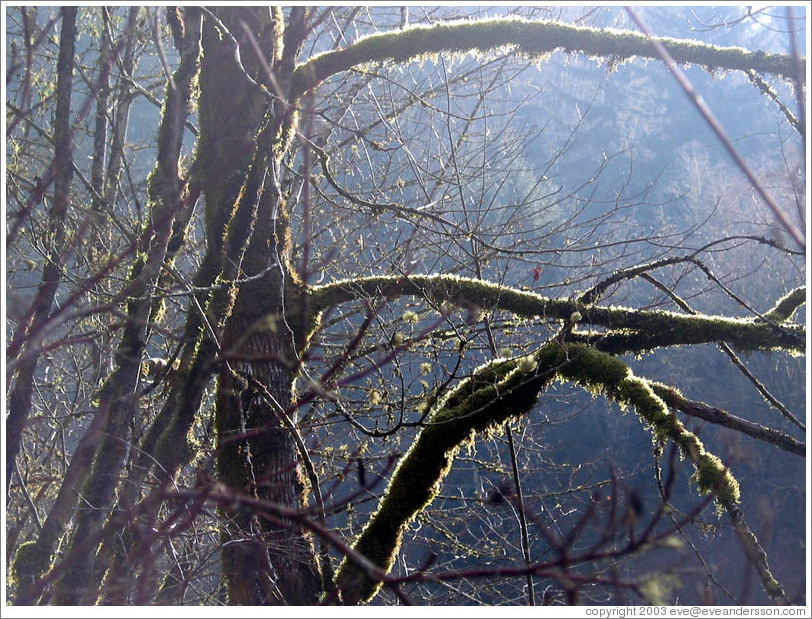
{"x": 258, "y": 454}
{"x": 244, "y": 135}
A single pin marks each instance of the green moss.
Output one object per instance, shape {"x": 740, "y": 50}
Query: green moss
{"x": 30, "y": 562}
{"x": 650, "y": 407}
{"x": 594, "y": 370}
{"x": 494, "y": 392}
{"x": 614, "y": 378}
{"x": 629, "y": 330}
{"x": 785, "y": 307}
{"x": 534, "y": 39}
{"x": 712, "y": 476}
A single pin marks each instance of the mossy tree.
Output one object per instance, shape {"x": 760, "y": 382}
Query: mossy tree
{"x": 232, "y": 294}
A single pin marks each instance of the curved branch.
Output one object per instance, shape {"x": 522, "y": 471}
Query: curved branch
{"x": 532, "y": 38}
{"x": 633, "y": 330}
{"x": 496, "y": 391}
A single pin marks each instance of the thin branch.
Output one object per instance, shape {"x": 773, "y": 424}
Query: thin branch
{"x": 694, "y": 408}
{"x": 720, "y": 132}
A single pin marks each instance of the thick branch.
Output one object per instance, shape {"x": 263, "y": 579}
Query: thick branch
{"x": 632, "y": 330}
{"x": 495, "y": 392}
{"x": 532, "y": 38}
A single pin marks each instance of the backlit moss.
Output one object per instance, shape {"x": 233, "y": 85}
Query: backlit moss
{"x": 625, "y": 330}
{"x": 786, "y": 305}
{"x": 494, "y": 392}
{"x": 713, "y": 477}
{"x": 534, "y": 39}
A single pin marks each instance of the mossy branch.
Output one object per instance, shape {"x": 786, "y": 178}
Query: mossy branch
{"x": 693, "y": 408}
{"x": 603, "y": 373}
{"x": 596, "y": 370}
{"x": 631, "y": 330}
{"x": 786, "y": 305}
{"x": 531, "y": 38}
{"x": 496, "y": 391}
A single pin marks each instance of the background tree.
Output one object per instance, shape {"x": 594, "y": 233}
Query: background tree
{"x": 309, "y": 340}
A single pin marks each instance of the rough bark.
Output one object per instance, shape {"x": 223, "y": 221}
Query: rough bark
{"x": 245, "y": 132}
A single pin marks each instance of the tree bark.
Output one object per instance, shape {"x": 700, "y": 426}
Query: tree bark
{"x": 117, "y": 398}
{"x": 244, "y": 135}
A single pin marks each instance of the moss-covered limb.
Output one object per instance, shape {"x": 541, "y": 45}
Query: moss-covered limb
{"x": 632, "y": 330}
{"x": 653, "y": 330}
{"x": 36, "y": 560}
{"x": 785, "y": 307}
{"x": 676, "y": 400}
{"x": 533, "y": 38}
{"x": 493, "y": 393}
{"x": 734, "y": 358}
{"x": 756, "y": 555}
{"x": 598, "y": 371}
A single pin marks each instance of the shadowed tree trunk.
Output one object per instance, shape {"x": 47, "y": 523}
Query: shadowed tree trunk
{"x": 19, "y": 403}
{"x": 264, "y": 562}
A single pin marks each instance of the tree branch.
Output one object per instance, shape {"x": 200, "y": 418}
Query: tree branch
{"x": 532, "y": 38}
{"x": 694, "y": 408}
{"x": 495, "y": 392}
{"x": 633, "y": 330}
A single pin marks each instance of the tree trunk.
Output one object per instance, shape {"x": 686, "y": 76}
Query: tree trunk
{"x": 244, "y": 135}
{"x": 21, "y": 393}
{"x": 273, "y": 562}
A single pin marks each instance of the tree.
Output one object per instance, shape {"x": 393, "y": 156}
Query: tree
{"x": 272, "y": 318}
